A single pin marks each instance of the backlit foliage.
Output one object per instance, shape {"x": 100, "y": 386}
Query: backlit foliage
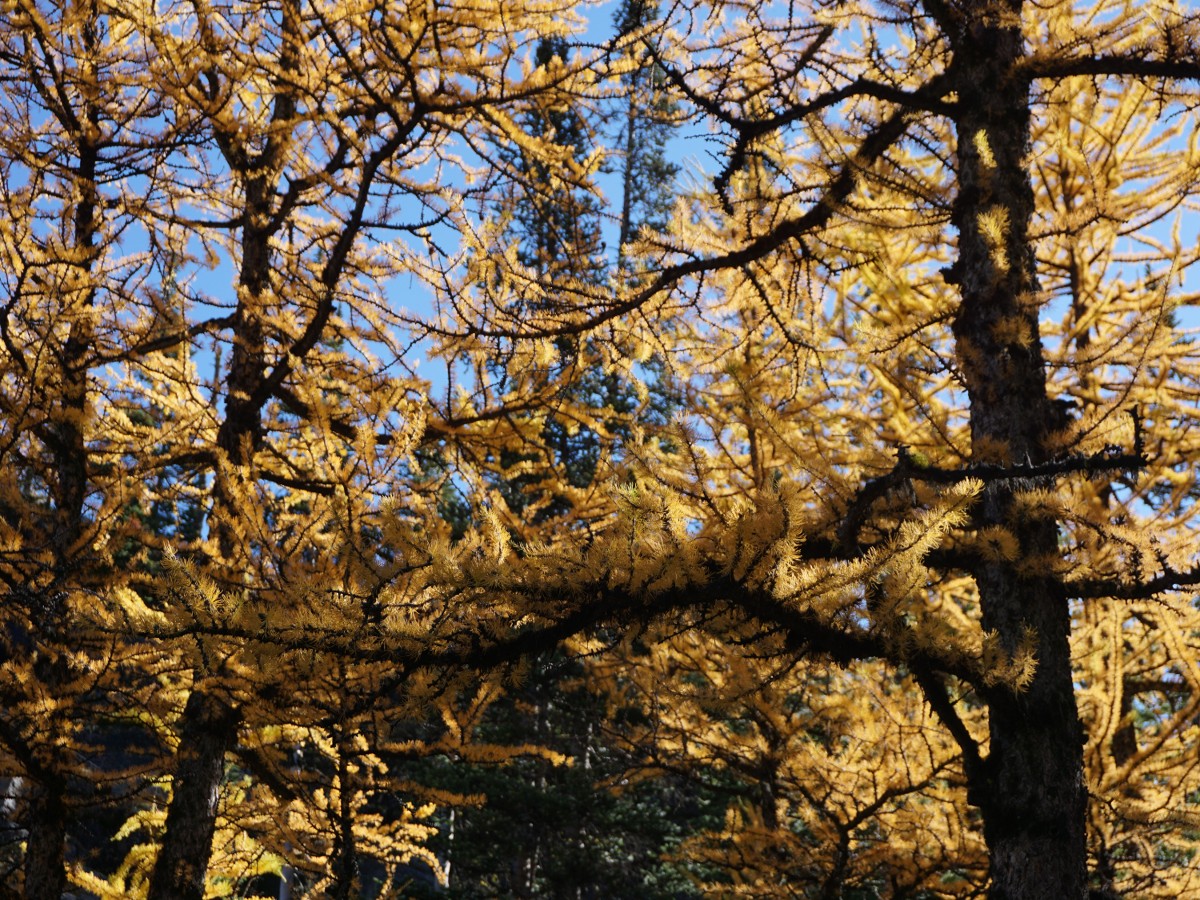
{"x": 324, "y": 410}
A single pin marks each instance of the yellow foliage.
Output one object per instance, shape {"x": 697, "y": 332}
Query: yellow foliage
{"x": 892, "y": 407}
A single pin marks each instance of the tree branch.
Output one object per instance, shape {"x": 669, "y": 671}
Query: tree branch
{"x": 1169, "y": 580}
{"x": 878, "y": 142}
{"x": 938, "y": 698}
{"x": 1130, "y": 66}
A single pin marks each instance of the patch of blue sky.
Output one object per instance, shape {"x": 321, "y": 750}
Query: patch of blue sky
{"x": 700, "y": 152}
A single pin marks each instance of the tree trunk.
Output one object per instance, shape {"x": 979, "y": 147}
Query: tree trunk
{"x": 1031, "y": 790}
{"x": 46, "y": 821}
{"x": 69, "y": 484}
{"x": 209, "y": 726}
{"x": 209, "y": 723}
{"x": 344, "y": 860}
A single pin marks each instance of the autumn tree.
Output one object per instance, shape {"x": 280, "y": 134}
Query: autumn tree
{"x": 68, "y": 133}
{"x": 894, "y": 450}
{"x": 907, "y": 575}
{"x": 546, "y": 829}
{"x": 202, "y": 204}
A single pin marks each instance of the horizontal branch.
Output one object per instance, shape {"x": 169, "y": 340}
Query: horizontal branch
{"x": 170, "y": 340}
{"x": 1112, "y": 588}
{"x": 1107, "y": 460}
{"x": 483, "y": 645}
{"x": 1110, "y": 65}
{"x": 908, "y": 469}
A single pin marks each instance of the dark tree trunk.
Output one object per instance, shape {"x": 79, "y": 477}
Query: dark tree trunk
{"x": 345, "y": 851}
{"x": 209, "y": 726}
{"x": 1030, "y": 790}
{"x": 46, "y": 821}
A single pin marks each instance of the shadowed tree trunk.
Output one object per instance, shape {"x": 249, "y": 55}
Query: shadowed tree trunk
{"x": 69, "y": 484}
{"x": 1030, "y": 790}
{"x": 45, "y": 877}
{"x": 209, "y": 726}
{"x": 210, "y": 721}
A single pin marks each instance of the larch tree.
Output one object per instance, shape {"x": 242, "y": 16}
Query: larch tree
{"x": 203, "y": 205}
{"x": 547, "y": 829}
{"x": 908, "y": 576}
{"x": 78, "y": 116}
{"x": 938, "y": 407}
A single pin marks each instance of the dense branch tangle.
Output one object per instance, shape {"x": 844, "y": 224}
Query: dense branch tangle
{"x": 252, "y": 421}
{"x": 902, "y": 569}
{"x": 911, "y": 202}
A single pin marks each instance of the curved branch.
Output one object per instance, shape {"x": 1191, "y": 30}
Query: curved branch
{"x": 938, "y": 698}
{"x": 873, "y": 147}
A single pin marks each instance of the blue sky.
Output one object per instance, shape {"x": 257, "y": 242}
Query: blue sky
{"x": 696, "y": 152}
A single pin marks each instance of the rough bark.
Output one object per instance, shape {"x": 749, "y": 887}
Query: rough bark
{"x": 45, "y": 876}
{"x": 210, "y": 721}
{"x": 1030, "y": 789}
{"x": 208, "y": 727}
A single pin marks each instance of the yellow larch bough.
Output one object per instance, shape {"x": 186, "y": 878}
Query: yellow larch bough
{"x": 908, "y": 575}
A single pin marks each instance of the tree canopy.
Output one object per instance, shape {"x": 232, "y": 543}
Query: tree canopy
{"x": 418, "y": 480}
